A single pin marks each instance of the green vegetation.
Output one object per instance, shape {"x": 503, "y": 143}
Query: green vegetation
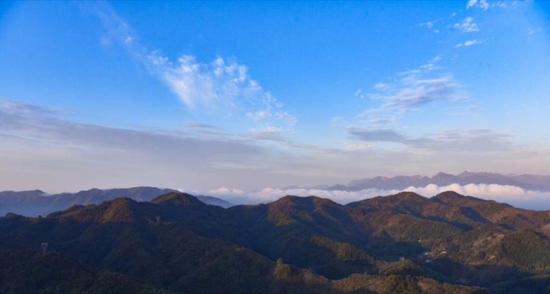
{"x": 177, "y": 244}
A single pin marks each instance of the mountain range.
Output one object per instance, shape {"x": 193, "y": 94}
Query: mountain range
{"x": 526, "y": 181}
{"x": 175, "y": 243}
{"x": 37, "y": 202}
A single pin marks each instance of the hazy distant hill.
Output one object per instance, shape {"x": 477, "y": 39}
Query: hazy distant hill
{"x": 528, "y": 182}
{"x": 403, "y": 243}
{"x": 36, "y": 202}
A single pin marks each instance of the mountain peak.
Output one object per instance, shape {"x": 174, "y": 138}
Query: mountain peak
{"x": 408, "y": 197}
{"x": 452, "y": 196}
{"x": 467, "y": 174}
{"x": 178, "y": 199}
{"x": 37, "y": 192}
{"x": 449, "y": 195}
{"x": 120, "y": 210}
{"x": 409, "y": 202}
{"x": 28, "y": 193}
{"x": 442, "y": 175}
{"x": 302, "y": 201}
{"x": 408, "y": 194}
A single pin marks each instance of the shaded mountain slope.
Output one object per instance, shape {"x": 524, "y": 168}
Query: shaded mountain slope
{"x": 403, "y": 243}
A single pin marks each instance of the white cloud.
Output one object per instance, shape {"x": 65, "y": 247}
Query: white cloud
{"x": 268, "y": 133}
{"x": 472, "y": 140}
{"x": 479, "y": 190}
{"x": 501, "y": 193}
{"x": 486, "y": 5}
{"x": 481, "y": 4}
{"x": 360, "y": 94}
{"x": 258, "y": 115}
{"x": 269, "y": 194}
{"x": 467, "y": 25}
{"x": 468, "y": 43}
{"x": 198, "y": 84}
{"x": 268, "y": 114}
{"x": 430, "y": 25}
{"x": 44, "y": 125}
{"x": 221, "y": 85}
{"x": 411, "y": 90}
{"x": 357, "y": 146}
{"x": 533, "y": 31}
{"x": 63, "y": 155}
{"x": 510, "y": 194}
{"x": 381, "y": 86}
{"x": 415, "y": 92}
{"x": 56, "y": 153}
{"x": 225, "y": 191}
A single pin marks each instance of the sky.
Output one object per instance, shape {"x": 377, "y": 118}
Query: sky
{"x": 234, "y": 96}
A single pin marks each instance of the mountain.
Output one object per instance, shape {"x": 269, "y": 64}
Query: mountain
{"x": 175, "y": 243}
{"x": 36, "y": 202}
{"x": 214, "y": 201}
{"x": 526, "y": 181}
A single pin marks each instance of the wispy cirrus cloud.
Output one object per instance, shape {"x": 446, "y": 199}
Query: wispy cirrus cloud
{"x": 486, "y": 5}
{"x": 467, "y": 25}
{"x": 468, "y": 43}
{"x": 385, "y": 135}
{"x": 62, "y": 154}
{"x": 268, "y": 134}
{"x": 223, "y": 84}
{"x": 411, "y": 90}
{"x": 220, "y": 85}
{"x": 478, "y": 140}
{"x": 481, "y": 4}
{"x": 43, "y": 125}
{"x": 204, "y": 84}
{"x": 430, "y": 25}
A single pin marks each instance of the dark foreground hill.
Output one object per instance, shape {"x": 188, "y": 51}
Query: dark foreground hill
{"x": 175, "y": 243}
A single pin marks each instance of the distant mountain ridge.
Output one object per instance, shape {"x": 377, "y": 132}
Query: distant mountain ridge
{"x": 525, "y": 181}
{"x": 37, "y": 202}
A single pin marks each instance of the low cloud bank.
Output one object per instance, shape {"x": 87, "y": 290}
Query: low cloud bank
{"x": 510, "y": 194}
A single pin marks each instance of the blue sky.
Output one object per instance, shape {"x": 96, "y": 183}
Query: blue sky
{"x": 246, "y": 95}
